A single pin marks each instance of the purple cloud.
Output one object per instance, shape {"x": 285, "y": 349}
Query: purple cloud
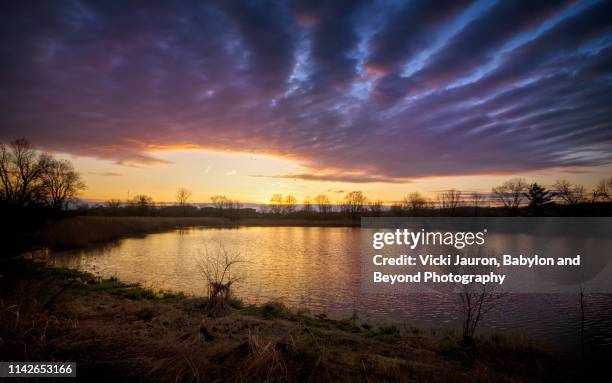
{"x": 366, "y": 92}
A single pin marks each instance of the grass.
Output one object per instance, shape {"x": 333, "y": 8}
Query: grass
{"x": 124, "y": 332}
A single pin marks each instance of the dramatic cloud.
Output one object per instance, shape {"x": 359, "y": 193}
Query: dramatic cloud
{"x": 357, "y": 92}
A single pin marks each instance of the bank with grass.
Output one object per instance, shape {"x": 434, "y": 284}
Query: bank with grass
{"x": 124, "y": 332}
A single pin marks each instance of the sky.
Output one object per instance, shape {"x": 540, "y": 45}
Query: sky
{"x": 251, "y": 98}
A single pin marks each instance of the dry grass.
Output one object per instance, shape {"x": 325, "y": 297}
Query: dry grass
{"x": 86, "y": 231}
{"x": 83, "y": 231}
{"x": 141, "y": 337}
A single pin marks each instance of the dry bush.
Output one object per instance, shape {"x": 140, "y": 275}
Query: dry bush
{"x": 217, "y": 269}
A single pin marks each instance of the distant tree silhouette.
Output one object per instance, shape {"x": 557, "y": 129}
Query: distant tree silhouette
{"x": 511, "y": 193}
{"x": 276, "y": 204}
{"x": 450, "y": 200}
{"x": 414, "y": 203}
{"x": 182, "y": 197}
{"x": 476, "y": 200}
{"x": 353, "y": 203}
{"x": 569, "y": 193}
{"x": 538, "y": 196}
{"x": 142, "y": 203}
{"x": 221, "y": 202}
{"x": 323, "y": 203}
{"x": 397, "y": 208}
{"x": 307, "y": 205}
{"x": 603, "y": 191}
{"x": 376, "y": 207}
{"x": 289, "y": 204}
{"x": 113, "y": 206}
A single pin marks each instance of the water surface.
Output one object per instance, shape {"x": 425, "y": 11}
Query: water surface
{"x": 318, "y": 268}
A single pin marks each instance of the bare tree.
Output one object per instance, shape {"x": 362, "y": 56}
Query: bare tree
{"x": 307, "y": 205}
{"x": 21, "y": 168}
{"x": 217, "y": 271}
{"x": 569, "y": 193}
{"x": 450, "y": 200}
{"x": 142, "y": 203}
{"x": 182, "y": 197}
{"x": 397, "y": 208}
{"x": 477, "y": 299}
{"x": 236, "y": 205}
{"x": 60, "y": 182}
{"x": 353, "y": 203}
{"x": 276, "y": 204}
{"x": 323, "y": 203}
{"x": 603, "y": 191}
{"x": 376, "y": 207}
{"x": 222, "y": 203}
{"x": 414, "y": 202}
{"x": 511, "y": 193}
{"x": 289, "y": 204}
{"x": 476, "y": 200}
{"x": 113, "y": 206}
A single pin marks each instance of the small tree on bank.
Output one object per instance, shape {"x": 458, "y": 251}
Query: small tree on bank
{"x": 217, "y": 270}
{"x": 477, "y": 299}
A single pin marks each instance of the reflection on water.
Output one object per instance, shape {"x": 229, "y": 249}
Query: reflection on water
{"x": 319, "y": 269}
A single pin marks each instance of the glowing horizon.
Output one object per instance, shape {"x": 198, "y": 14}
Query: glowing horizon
{"x": 250, "y": 178}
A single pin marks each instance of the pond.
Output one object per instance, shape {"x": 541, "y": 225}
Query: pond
{"x": 318, "y": 268}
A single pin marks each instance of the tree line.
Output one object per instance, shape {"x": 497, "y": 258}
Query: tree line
{"x": 513, "y": 197}
{"x": 32, "y": 178}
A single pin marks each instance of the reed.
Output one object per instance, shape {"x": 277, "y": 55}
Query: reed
{"x": 85, "y": 231}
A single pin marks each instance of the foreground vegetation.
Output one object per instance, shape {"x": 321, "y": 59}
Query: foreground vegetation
{"x": 122, "y": 332}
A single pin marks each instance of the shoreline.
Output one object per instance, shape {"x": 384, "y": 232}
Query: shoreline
{"x": 126, "y": 330}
